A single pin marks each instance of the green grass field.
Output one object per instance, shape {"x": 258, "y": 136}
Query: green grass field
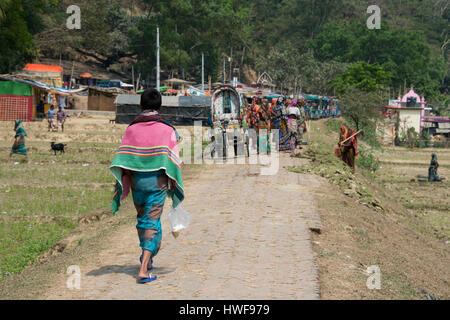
{"x": 427, "y": 204}
{"x": 41, "y": 201}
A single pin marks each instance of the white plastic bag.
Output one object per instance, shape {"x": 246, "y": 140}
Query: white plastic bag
{"x": 179, "y": 220}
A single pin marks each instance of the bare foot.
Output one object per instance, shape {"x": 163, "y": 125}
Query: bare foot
{"x": 143, "y": 275}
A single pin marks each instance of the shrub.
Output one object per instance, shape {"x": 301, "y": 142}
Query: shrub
{"x": 367, "y": 160}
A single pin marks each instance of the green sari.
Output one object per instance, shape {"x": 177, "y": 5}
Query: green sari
{"x": 19, "y": 146}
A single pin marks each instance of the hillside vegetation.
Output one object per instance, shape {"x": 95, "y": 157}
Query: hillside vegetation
{"x": 303, "y": 44}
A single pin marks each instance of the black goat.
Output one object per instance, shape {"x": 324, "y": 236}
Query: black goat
{"x": 58, "y": 147}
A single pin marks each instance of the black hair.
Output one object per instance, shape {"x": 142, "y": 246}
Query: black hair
{"x": 151, "y": 100}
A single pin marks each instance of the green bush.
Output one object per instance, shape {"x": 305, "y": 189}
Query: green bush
{"x": 367, "y": 160}
{"x": 426, "y": 139}
{"x": 412, "y": 139}
{"x": 334, "y": 125}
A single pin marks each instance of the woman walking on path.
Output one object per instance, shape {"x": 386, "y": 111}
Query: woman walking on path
{"x": 148, "y": 162}
{"x": 280, "y": 122}
{"x": 19, "y": 140}
{"x": 294, "y": 116}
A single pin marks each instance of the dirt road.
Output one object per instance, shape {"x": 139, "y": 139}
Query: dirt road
{"x": 249, "y": 239}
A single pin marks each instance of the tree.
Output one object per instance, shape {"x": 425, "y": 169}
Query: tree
{"x": 16, "y": 40}
{"x": 361, "y": 109}
{"x": 4, "y": 4}
{"x": 363, "y": 76}
{"x": 19, "y": 21}
{"x": 405, "y": 54}
{"x": 320, "y": 37}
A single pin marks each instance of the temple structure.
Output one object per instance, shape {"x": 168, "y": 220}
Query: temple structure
{"x": 411, "y": 111}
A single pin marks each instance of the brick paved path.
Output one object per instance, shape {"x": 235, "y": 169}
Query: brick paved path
{"x": 249, "y": 239}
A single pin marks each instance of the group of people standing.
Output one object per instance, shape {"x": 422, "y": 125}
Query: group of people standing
{"x": 55, "y": 115}
{"x": 279, "y": 114}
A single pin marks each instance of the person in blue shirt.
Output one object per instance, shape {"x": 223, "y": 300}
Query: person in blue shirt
{"x": 51, "y": 118}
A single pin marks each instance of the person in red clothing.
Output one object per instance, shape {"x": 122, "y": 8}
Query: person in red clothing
{"x": 350, "y": 150}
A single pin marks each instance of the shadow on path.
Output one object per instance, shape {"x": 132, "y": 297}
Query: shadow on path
{"x": 131, "y": 270}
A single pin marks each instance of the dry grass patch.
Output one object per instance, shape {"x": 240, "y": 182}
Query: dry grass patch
{"x": 403, "y": 242}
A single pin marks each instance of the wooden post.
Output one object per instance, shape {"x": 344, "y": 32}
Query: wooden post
{"x": 308, "y": 127}
{"x": 209, "y": 84}
{"x": 231, "y": 62}
{"x": 349, "y": 138}
{"x": 203, "y": 72}
{"x": 158, "y": 67}
{"x": 138, "y": 82}
{"x": 132, "y": 75}
{"x": 71, "y": 75}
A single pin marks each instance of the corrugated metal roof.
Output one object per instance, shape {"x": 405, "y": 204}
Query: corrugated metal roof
{"x": 41, "y": 85}
{"x": 181, "y": 101}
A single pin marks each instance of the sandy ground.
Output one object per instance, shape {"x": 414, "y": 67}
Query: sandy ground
{"x": 249, "y": 239}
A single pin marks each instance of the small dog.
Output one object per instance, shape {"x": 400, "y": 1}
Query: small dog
{"x": 58, "y": 147}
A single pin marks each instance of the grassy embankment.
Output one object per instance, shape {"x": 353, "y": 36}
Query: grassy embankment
{"x": 380, "y": 218}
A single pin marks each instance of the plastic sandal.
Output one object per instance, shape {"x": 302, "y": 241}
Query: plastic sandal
{"x": 149, "y": 279}
{"x": 151, "y": 262}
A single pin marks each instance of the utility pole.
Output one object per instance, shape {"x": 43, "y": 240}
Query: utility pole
{"x": 132, "y": 75}
{"x": 231, "y": 61}
{"x": 203, "y": 72}
{"x": 224, "y": 66}
{"x": 158, "y": 79}
{"x": 71, "y": 75}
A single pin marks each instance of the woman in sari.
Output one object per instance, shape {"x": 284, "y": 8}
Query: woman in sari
{"x": 19, "y": 140}
{"x": 253, "y": 118}
{"x": 264, "y": 124}
{"x": 148, "y": 163}
{"x": 301, "y": 121}
{"x": 279, "y": 120}
{"x": 433, "y": 169}
{"x": 340, "y": 148}
{"x": 253, "y": 115}
{"x": 293, "y": 117}
{"x": 350, "y": 149}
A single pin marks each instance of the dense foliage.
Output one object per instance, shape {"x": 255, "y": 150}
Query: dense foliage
{"x": 19, "y": 21}
{"x": 317, "y": 46}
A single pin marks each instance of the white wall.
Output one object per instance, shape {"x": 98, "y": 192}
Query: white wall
{"x": 408, "y": 119}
